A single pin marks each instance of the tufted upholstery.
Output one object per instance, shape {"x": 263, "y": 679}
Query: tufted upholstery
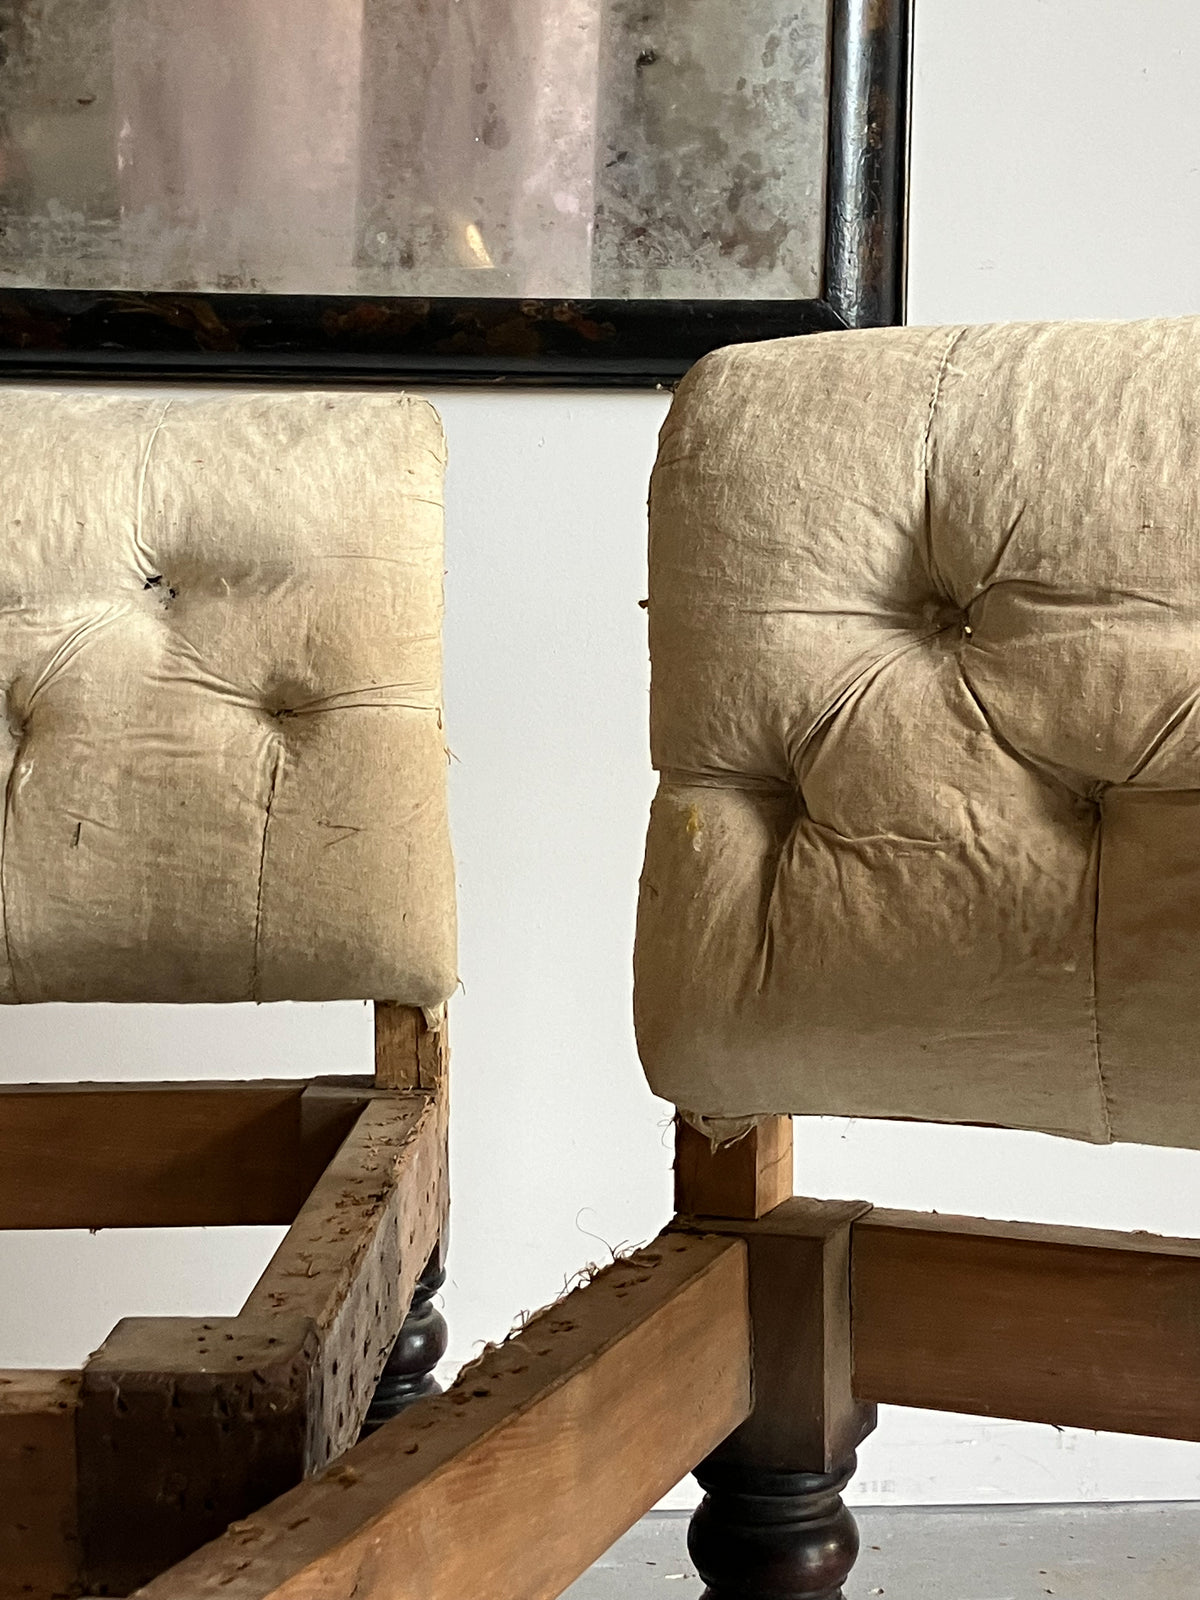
{"x": 925, "y": 632}
{"x": 221, "y": 662}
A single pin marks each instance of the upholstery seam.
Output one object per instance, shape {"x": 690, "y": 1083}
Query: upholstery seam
{"x": 935, "y": 396}
{"x": 739, "y": 783}
{"x": 8, "y": 950}
{"x": 1105, "y": 1097}
{"x": 141, "y": 488}
{"x": 1173, "y": 723}
{"x": 276, "y": 770}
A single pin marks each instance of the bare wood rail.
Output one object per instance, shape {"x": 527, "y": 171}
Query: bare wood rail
{"x": 1069, "y": 1326}
{"x": 148, "y": 1155}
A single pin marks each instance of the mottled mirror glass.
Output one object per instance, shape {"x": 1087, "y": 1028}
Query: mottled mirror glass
{"x": 632, "y": 149}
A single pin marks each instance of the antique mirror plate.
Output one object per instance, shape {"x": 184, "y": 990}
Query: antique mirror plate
{"x": 589, "y": 189}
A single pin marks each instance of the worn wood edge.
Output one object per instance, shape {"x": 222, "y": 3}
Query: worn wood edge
{"x": 813, "y": 1218}
{"x": 1075, "y": 1238}
{"x": 542, "y": 1453}
{"x": 26, "y": 1391}
{"x": 351, "y": 1259}
{"x": 798, "y": 1217}
{"x": 39, "y": 1534}
{"x": 412, "y": 1049}
{"x": 183, "y": 1425}
{"x": 208, "y": 1153}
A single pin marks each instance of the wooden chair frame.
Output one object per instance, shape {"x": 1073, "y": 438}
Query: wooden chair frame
{"x": 750, "y": 1341}
{"x": 178, "y": 1426}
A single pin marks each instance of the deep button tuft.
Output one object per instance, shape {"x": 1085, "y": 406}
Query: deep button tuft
{"x": 283, "y": 698}
{"x": 954, "y": 626}
{"x": 966, "y": 619}
{"x": 183, "y": 592}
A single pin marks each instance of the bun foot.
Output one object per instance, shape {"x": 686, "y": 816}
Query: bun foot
{"x": 772, "y": 1535}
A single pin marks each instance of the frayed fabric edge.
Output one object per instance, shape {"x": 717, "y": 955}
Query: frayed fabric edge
{"x": 720, "y": 1130}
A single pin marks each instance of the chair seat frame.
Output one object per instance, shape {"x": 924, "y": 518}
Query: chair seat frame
{"x": 751, "y": 1341}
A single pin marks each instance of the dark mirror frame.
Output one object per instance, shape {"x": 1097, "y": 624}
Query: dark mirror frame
{"x": 332, "y": 338}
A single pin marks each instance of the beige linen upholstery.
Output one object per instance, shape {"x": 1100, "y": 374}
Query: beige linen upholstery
{"x": 220, "y": 655}
{"x": 925, "y": 631}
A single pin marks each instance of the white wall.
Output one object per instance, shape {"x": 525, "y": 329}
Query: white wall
{"x": 1056, "y": 173}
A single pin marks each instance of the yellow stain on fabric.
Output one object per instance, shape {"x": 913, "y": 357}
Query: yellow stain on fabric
{"x": 695, "y": 826}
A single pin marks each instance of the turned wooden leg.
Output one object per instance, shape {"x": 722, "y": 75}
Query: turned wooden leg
{"x": 772, "y": 1525}
{"x": 420, "y": 1345}
{"x": 760, "y": 1535}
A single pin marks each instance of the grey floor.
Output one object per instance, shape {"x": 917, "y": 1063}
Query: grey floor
{"x": 1131, "y": 1552}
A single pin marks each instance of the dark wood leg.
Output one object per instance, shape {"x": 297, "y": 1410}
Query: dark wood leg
{"x": 772, "y": 1535}
{"x": 772, "y": 1525}
{"x": 420, "y": 1345}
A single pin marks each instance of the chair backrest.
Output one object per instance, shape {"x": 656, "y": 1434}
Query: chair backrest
{"x": 220, "y": 655}
{"x": 925, "y": 632}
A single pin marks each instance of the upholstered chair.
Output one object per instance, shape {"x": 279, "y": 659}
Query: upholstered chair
{"x": 224, "y": 780}
{"x": 925, "y": 638}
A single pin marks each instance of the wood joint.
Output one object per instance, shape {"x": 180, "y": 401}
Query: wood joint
{"x": 806, "y": 1418}
{"x": 184, "y": 1426}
